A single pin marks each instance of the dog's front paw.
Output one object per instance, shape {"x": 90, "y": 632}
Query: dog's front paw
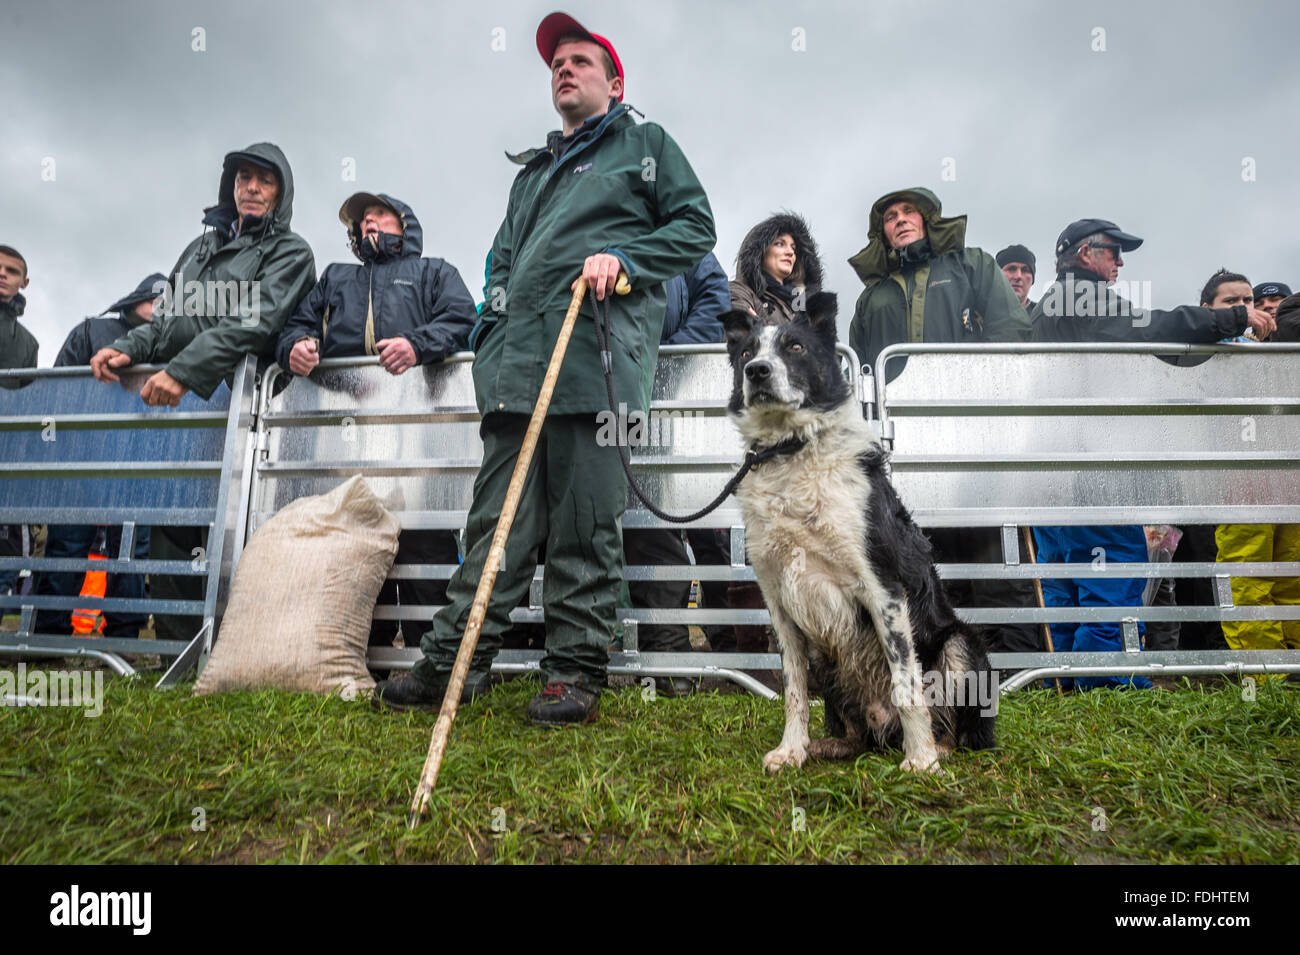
{"x": 784, "y": 756}
{"x": 923, "y": 762}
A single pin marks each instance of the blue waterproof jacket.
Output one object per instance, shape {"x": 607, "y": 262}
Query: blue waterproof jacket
{"x": 392, "y": 292}
{"x": 697, "y": 299}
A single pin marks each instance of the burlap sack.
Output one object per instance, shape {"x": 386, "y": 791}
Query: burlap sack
{"x": 303, "y": 595}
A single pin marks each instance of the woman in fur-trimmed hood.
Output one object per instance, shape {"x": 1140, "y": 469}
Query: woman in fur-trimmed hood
{"x": 778, "y": 260}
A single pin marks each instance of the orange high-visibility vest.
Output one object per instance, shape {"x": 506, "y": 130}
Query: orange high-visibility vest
{"x": 90, "y": 623}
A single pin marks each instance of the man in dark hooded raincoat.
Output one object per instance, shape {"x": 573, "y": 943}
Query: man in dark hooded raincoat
{"x": 407, "y": 310}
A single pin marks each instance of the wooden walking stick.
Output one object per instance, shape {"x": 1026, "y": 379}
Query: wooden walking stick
{"x": 1042, "y": 604}
{"x": 468, "y": 642}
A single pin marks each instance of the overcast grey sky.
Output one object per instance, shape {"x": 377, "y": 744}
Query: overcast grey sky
{"x": 1040, "y": 126}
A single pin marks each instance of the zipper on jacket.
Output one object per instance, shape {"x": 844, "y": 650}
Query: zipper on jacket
{"x": 596, "y": 133}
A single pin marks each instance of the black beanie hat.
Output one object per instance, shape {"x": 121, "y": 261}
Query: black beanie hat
{"x": 1018, "y": 253}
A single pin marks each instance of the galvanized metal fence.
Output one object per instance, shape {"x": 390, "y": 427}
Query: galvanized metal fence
{"x": 1011, "y": 436}
{"x": 76, "y": 452}
{"x": 982, "y": 436}
{"x": 415, "y": 438}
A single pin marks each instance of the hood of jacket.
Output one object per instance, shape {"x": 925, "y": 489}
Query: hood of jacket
{"x": 222, "y": 215}
{"x": 877, "y": 260}
{"x": 384, "y": 245}
{"x": 151, "y": 287}
{"x": 807, "y": 261}
{"x": 15, "y": 307}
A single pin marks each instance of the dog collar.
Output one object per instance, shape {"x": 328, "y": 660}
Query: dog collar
{"x": 756, "y": 456}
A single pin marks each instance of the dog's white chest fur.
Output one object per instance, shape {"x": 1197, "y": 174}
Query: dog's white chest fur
{"x": 805, "y": 519}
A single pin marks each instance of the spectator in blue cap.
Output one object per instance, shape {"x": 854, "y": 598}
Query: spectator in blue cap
{"x": 1269, "y": 295}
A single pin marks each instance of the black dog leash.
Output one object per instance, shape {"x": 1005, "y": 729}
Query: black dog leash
{"x": 753, "y": 457}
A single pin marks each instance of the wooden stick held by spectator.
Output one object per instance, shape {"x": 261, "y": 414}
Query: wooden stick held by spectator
{"x": 451, "y": 699}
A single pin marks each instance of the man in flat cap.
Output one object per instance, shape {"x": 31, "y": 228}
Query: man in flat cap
{"x": 1081, "y": 306}
{"x": 604, "y": 195}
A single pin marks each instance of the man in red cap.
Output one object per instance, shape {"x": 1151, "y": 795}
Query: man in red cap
{"x": 603, "y": 195}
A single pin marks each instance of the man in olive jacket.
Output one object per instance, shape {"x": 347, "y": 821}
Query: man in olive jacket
{"x": 231, "y": 290}
{"x": 925, "y": 285}
{"x": 606, "y": 194}
{"x": 229, "y": 296}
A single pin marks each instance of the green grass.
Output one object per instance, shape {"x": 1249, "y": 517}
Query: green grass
{"x": 1193, "y": 775}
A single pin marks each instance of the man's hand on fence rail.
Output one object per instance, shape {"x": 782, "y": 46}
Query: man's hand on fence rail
{"x": 304, "y": 357}
{"x": 105, "y": 360}
{"x": 162, "y": 389}
{"x": 396, "y": 354}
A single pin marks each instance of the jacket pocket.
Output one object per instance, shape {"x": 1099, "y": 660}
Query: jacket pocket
{"x": 481, "y": 330}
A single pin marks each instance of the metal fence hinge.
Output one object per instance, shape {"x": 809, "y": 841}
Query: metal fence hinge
{"x": 738, "y": 546}
{"x": 1132, "y": 638}
{"x": 1223, "y": 591}
{"x": 1010, "y": 544}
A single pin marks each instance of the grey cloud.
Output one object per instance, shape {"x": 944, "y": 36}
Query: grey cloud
{"x": 1151, "y": 133}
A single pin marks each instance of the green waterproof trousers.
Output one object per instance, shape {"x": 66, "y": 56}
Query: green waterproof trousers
{"x": 573, "y": 502}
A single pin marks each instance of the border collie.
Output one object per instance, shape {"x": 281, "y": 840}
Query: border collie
{"x": 847, "y": 576}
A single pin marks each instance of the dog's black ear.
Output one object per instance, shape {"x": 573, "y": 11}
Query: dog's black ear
{"x": 821, "y": 309}
{"x": 739, "y": 323}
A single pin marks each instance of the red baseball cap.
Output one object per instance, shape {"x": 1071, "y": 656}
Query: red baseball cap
{"x": 557, "y": 25}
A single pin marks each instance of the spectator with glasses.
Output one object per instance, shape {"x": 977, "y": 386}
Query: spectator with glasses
{"x": 1081, "y": 306}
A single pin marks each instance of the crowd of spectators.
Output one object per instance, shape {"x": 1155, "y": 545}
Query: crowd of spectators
{"x": 922, "y": 283}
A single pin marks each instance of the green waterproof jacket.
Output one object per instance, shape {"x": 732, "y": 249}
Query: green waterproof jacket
{"x": 208, "y": 321}
{"x": 613, "y": 186}
{"x": 18, "y": 346}
{"x": 933, "y": 290}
